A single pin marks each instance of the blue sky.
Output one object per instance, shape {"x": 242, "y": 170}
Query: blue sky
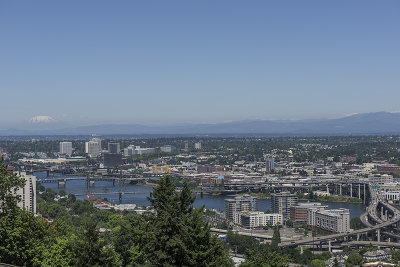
{"x": 161, "y": 62}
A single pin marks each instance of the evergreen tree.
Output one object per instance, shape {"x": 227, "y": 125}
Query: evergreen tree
{"x": 90, "y": 250}
{"x": 276, "y": 237}
{"x": 9, "y": 185}
{"x": 177, "y": 234}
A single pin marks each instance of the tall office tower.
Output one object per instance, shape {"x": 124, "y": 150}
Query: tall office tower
{"x": 186, "y": 145}
{"x": 66, "y": 148}
{"x": 281, "y": 203}
{"x": 270, "y": 165}
{"x": 239, "y": 204}
{"x": 112, "y": 160}
{"x": 93, "y": 147}
{"x": 197, "y": 145}
{"x": 114, "y": 148}
{"x": 27, "y": 193}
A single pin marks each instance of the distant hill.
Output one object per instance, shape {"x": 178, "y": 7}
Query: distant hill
{"x": 366, "y": 123}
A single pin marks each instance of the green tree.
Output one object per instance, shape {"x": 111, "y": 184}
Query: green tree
{"x": 336, "y": 263}
{"x": 90, "y": 250}
{"x": 10, "y": 183}
{"x": 265, "y": 258}
{"x": 317, "y": 263}
{"x": 355, "y": 223}
{"x": 276, "y": 237}
{"x": 396, "y": 256}
{"x": 24, "y": 238}
{"x": 353, "y": 259}
{"x": 178, "y": 235}
{"x": 58, "y": 254}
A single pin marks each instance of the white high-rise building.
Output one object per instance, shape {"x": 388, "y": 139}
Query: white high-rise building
{"x": 93, "y": 147}
{"x": 66, "y": 148}
{"x": 270, "y": 165}
{"x": 27, "y": 193}
{"x": 197, "y": 145}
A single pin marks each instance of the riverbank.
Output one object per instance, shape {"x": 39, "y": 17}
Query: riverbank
{"x": 332, "y": 198}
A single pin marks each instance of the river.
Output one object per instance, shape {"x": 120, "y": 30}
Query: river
{"x": 140, "y": 199}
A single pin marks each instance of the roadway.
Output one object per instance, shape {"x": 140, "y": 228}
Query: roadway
{"x": 376, "y": 199}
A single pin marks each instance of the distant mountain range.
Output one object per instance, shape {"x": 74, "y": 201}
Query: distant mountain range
{"x": 378, "y": 123}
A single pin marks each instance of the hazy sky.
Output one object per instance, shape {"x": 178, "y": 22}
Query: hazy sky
{"x": 197, "y": 61}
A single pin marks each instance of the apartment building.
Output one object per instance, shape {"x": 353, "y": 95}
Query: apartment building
{"x": 281, "y": 203}
{"x": 251, "y": 219}
{"x": 299, "y": 212}
{"x": 239, "y": 204}
{"x": 337, "y": 220}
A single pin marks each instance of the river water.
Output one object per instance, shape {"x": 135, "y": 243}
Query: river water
{"x": 140, "y": 199}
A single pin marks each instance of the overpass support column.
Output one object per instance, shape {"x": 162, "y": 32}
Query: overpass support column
{"x": 386, "y": 215}
{"x": 358, "y": 237}
{"x": 327, "y": 189}
{"x": 301, "y": 250}
{"x": 351, "y": 190}
{"x": 378, "y": 234}
{"x": 340, "y": 189}
{"x": 359, "y": 191}
{"x": 365, "y": 196}
{"x": 382, "y": 213}
{"x": 329, "y": 246}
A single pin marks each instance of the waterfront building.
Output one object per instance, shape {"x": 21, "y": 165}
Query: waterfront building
{"x": 239, "y": 204}
{"x": 337, "y": 220}
{"x": 299, "y": 212}
{"x": 311, "y": 211}
{"x": 281, "y": 203}
{"x": 270, "y": 165}
{"x": 114, "y": 148}
{"x": 251, "y": 219}
{"x": 66, "y": 148}
{"x": 93, "y": 147}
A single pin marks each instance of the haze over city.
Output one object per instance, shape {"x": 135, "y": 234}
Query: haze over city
{"x": 91, "y": 62}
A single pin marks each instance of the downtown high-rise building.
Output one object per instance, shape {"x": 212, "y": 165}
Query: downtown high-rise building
{"x": 93, "y": 147}
{"x": 197, "y": 145}
{"x": 270, "y": 165}
{"x": 66, "y": 148}
{"x": 114, "y": 147}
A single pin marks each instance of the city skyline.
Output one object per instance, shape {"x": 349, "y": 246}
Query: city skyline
{"x": 178, "y": 62}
